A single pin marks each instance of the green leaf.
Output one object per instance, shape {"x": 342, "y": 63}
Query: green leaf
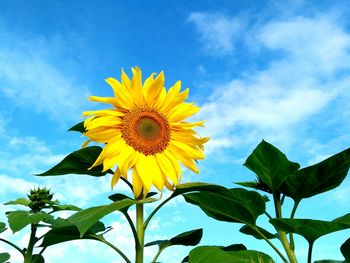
{"x": 345, "y": 249}
{"x": 250, "y": 184}
{"x": 20, "y": 219}
{"x": 231, "y": 205}
{"x": 19, "y": 201}
{"x": 38, "y": 259}
{"x": 79, "y": 127}
{"x": 188, "y": 238}
{"x": 318, "y": 178}
{"x": 196, "y": 186}
{"x": 270, "y": 165}
{"x": 4, "y": 257}
{"x": 2, "y": 227}
{"x": 69, "y": 233}
{"x": 308, "y": 228}
{"x": 212, "y": 254}
{"x": 250, "y": 231}
{"x": 118, "y": 197}
{"x": 79, "y": 162}
{"x": 329, "y": 261}
{"x": 65, "y": 208}
{"x": 84, "y": 219}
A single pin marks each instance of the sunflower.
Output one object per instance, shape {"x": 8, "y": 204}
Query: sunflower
{"x": 145, "y": 132}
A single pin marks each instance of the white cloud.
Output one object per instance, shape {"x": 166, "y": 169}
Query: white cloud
{"x": 280, "y": 101}
{"x": 218, "y": 33}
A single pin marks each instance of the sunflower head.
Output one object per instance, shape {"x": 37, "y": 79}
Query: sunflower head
{"x": 145, "y": 132}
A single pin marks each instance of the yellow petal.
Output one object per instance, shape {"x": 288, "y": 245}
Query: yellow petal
{"x": 112, "y": 112}
{"x": 115, "y": 178}
{"x": 145, "y": 167}
{"x": 192, "y": 152}
{"x": 184, "y": 159}
{"x": 182, "y": 111}
{"x": 125, "y": 79}
{"x": 136, "y": 86}
{"x": 174, "y": 162}
{"x": 121, "y": 92}
{"x": 153, "y": 89}
{"x": 136, "y": 183}
{"x": 167, "y": 168}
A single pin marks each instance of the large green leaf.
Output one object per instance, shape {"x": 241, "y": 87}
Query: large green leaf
{"x": 345, "y": 249}
{"x": 308, "y": 228}
{"x": 19, "y": 201}
{"x": 85, "y": 219}
{"x": 78, "y": 162}
{"x": 232, "y": 205}
{"x": 70, "y": 232}
{"x": 318, "y": 178}
{"x": 2, "y": 227}
{"x": 270, "y": 165}
{"x": 188, "y": 238}
{"x": 4, "y": 257}
{"x": 212, "y": 254}
{"x": 79, "y": 127}
{"x": 20, "y": 219}
{"x": 252, "y": 232}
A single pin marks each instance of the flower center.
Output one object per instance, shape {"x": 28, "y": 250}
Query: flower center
{"x": 146, "y": 130}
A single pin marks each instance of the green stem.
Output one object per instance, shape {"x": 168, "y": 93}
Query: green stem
{"x": 282, "y": 234}
{"x": 291, "y": 238}
{"x": 271, "y": 244}
{"x": 32, "y": 241}
{"x": 140, "y": 233}
{"x": 160, "y": 250}
{"x": 13, "y": 245}
{"x": 100, "y": 238}
{"x": 132, "y": 226}
{"x": 156, "y": 210}
{"x": 309, "y": 254}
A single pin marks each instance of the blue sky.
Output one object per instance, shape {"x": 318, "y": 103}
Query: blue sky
{"x": 258, "y": 69}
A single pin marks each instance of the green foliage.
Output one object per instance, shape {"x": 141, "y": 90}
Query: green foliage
{"x": 213, "y": 254}
{"x": 2, "y": 227}
{"x": 308, "y": 228}
{"x": 38, "y": 259}
{"x": 79, "y": 127}
{"x": 270, "y": 165}
{"x": 252, "y": 232}
{"x": 319, "y": 178}
{"x": 19, "y": 201}
{"x": 231, "y": 205}
{"x": 345, "y": 250}
{"x": 85, "y": 219}
{"x": 20, "y": 219}
{"x": 78, "y": 162}
{"x": 70, "y": 232}
{"x": 188, "y": 238}
{"x": 4, "y": 257}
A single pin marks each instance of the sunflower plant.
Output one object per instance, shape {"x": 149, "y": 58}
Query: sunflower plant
{"x": 146, "y": 139}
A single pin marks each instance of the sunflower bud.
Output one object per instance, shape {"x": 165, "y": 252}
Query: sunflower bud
{"x": 40, "y": 198}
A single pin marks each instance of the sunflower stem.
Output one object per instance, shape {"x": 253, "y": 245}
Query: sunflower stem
{"x": 32, "y": 240}
{"x": 140, "y": 233}
{"x": 282, "y": 234}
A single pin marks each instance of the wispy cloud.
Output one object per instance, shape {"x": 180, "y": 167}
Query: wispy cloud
{"x": 218, "y": 33}
{"x": 283, "y": 100}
